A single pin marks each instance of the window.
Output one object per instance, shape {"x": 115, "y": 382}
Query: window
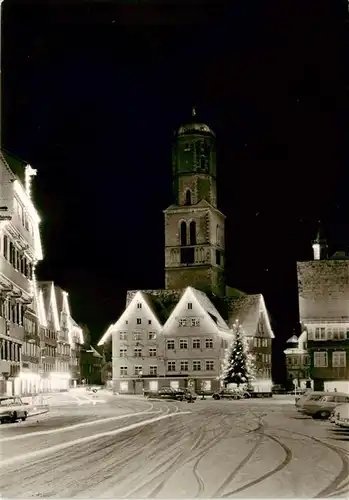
{"x": 152, "y": 352}
{"x": 255, "y": 342}
{"x": 320, "y": 359}
{"x": 139, "y": 321}
{"x": 322, "y": 333}
{"x": 187, "y": 255}
{"x": 183, "y": 231}
{"x": 196, "y": 343}
{"x": 151, "y": 336}
{"x": 153, "y": 385}
{"x": 137, "y": 352}
{"x": 192, "y": 233}
{"x": 182, "y": 322}
{"x": 196, "y": 366}
{"x": 139, "y": 305}
{"x": 149, "y": 321}
{"x": 190, "y": 305}
{"x": 218, "y": 257}
{"x": 317, "y": 333}
{"x": 209, "y": 366}
{"x": 306, "y": 359}
{"x": 123, "y": 353}
{"x": 183, "y": 344}
{"x": 138, "y": 370}
{"x": 170, "y": 344}
{"x": 171, "y": 366}
{"x": 342, "y": 335}
{"x": 123, "y": 335}
{"x": 5, "y": 247}
{"x": 341, "y": 399}
{"x": 153, "y": 370}
{"x": 123, "y": 370}
{"x": 184, "y": 366}
{"x": 339, "y": 359}
{"x": 123, "y": 386}
{"x": 187, "y": 197}
{"x": 195, "y": 322}
{"x": 137, "y": 336}
{"x": 209, "y": 343}
{"x": 264, "y": 342}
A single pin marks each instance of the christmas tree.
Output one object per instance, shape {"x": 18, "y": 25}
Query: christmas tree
{"x": 238, "y": 366}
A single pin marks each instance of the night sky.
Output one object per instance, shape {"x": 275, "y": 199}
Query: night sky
{"x": 92, "y": 93}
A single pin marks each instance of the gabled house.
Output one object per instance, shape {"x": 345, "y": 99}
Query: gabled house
{"x": 60, "y": 338}
{"x": 298, "y": 361}
{"x": 177, "y": 336}
{"x": 323, "y": 290}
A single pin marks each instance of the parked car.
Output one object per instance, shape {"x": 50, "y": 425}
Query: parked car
{"x": 309, "y": 396}
{"x": 173, "y": 394}
{"x": 323, "y": 407}
{"x": 341, "y": 415}
{"x": 12, "y": 409}
{"x": 278, "y": 389}
{"x": 231, "y": 394}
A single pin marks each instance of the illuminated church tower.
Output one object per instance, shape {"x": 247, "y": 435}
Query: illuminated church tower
{"x": 194, "y": 227}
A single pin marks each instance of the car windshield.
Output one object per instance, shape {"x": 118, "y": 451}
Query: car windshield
{"x": 6, "y": 402}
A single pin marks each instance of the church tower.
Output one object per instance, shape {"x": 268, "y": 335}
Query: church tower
{"x": 320, "y": 247}
{"x": 194, "y": 227}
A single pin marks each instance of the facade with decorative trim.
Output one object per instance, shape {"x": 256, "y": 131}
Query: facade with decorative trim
{"x": 177, "y": 336}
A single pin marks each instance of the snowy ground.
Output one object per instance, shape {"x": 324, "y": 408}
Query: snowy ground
{"x": 128, "y": 447}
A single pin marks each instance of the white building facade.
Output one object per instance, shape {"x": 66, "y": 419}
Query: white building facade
{"x": 20, "y": 251}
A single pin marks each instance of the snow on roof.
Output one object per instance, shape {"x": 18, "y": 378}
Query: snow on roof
{"x": 292, "y": 340}
{"x": 323, "y": 289}
{"x": 207, "y": 305}
{"x": 247, "y": 310}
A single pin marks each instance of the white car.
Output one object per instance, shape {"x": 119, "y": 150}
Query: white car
{"x": 12, "y": 409}
{"x": 341, "y": 415}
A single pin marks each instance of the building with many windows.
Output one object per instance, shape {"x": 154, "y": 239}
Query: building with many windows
{"x": 20, "y": 251}
{"x": 323, "y": 289}
{"x": 178, "y": 336}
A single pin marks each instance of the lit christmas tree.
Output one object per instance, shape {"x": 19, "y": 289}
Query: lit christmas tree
{"x": 238, "y": 366}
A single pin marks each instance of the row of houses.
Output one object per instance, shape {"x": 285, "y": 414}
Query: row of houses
{"x": 321, "y": 353}
{"x": 40, "y": 343}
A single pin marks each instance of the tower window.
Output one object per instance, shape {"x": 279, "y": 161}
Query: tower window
{"x": 183, "y": 233}
{"x": 192, "y": 231}
{"x": 218, "y": 257}
{"x": 187, "y": 197}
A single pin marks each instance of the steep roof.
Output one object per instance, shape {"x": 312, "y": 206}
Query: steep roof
{"x": 16, "y": 164}
{"x": 208, "y": 306}
{"x": 323, "y": 289}
{"x": 247, "y": 310}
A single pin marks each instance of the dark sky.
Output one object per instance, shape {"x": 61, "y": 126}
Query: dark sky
{"x": 92, "y": 92}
